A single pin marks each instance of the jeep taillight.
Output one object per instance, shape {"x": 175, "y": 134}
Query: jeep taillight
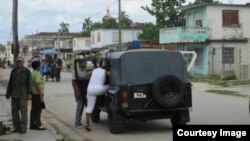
{"x": 124, "y": 98}
{"x": 188, "y": 96}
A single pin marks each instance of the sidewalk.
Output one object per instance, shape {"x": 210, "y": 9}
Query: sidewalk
{"x": 240, "y": 90}
{"x": 5, "y": 117}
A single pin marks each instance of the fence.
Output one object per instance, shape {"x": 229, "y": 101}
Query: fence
{"x": 242, "y": 63}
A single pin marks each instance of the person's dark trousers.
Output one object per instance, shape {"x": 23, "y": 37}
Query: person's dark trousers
{"x": 19, "y": 105}
{"x": 35, "y": 113}
{"x": 79, "y": 111}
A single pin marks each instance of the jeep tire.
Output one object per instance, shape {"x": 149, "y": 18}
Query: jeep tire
{"x": 115, "y": 120}
{"x": 168, "y": 91}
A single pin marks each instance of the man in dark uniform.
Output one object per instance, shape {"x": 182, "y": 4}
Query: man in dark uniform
{"x": 19, "y": 89}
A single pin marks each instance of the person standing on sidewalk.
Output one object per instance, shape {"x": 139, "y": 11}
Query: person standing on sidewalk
{"x": 82, "y": 72}
{"x": 19, "y": 89}
{"x": 37, "y": 87}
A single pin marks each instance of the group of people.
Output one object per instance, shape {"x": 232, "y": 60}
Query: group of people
{"x": 51, "y": 67}
{"x": 95, "y": 88}
{"x": 24, "y": 85}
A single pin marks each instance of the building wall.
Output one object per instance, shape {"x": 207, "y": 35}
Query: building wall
{"x": 107, "y": 37}
{"x": 79, "y": 43}
{"x": 216, "y": 66}
{"x": 8, "y": 53}
{"x": 193, "y": 14}
{"x": 217, "y": 31}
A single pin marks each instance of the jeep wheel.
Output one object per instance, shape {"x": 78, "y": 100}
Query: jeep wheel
{"x": 115, "y": 120}
{"x": 168, "y": 91}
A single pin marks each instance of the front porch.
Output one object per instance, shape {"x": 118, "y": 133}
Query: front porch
{"x": 183, "y": 35}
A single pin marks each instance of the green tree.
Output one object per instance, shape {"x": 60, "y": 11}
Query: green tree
{"x": 166, "y": 12}
{"x": 86, "y": 27}
{"x": 150, "y": 32}
{"x": 96, "y": 25}
{"x": 2, "y": 48}
{"x": 205, "y": 1}
{"x": 64, "y": 28}
{"x": 125, "y": 20}
{"x": 109, "y": 23}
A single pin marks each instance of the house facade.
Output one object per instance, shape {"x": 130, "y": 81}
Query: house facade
{"x": 103, "y": 37}
{"x": 218, "y": 33}
{"x": 62, "y": 42}
{"x": 81, "y": 43}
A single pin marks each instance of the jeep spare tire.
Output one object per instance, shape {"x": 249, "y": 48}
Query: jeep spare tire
{"x": 168, "y": 91}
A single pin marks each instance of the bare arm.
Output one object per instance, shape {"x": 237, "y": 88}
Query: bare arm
{"x": 107, "y": 73}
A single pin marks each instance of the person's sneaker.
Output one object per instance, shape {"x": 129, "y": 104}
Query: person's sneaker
{"x": 79, "y": 126}
{"x": 42, "y": 127}
{"x": 87, "y": 127}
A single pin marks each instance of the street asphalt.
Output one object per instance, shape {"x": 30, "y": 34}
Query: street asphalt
{"x": 51, "y": 133}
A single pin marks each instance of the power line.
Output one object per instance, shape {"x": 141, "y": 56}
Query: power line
{"x": 97, "y": 13}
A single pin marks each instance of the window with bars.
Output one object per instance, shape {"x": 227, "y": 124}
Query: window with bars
{"x": 227, "y": 55}
{"x": 230, "y": 17}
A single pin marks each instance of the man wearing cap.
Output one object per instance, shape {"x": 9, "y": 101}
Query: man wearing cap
{"x": 19, "y": 89}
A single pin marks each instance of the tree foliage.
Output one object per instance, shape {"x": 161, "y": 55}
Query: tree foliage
{"x": 125, "y": 20}
{"x": 106, "y": 23}
{"x": 205, "y": 1}
{"x": 2, "y": 48}
{"x": 150, "y": 32}
{"x": 86, "y": 27}
{"x": 109, "y": 23}
{"x": 166, "y": 12}
{"x": 96, "y": 25}
{"x": 64, "y": 28}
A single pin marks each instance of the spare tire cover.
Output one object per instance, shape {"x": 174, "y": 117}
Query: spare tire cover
{"x": 168, "y": 91}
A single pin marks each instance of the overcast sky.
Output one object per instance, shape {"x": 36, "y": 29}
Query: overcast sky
{"x": 46, "y": 15}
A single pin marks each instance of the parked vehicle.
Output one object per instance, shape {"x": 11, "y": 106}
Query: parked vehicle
{"x": 145, "y": 85}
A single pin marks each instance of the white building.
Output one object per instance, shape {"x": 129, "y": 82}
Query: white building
{"x": 103, "y": 37}
{"x": 81, "y": 43}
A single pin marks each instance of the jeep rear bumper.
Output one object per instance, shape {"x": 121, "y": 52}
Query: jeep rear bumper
{"x": 156, "y": 113}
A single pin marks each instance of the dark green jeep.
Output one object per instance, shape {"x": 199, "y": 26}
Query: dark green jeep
{"x": 145, "y": 85}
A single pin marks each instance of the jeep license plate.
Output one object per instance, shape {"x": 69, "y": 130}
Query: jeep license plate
{"x": 139, "y": 95}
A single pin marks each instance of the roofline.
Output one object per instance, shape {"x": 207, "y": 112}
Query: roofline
{"x": 116, "y": 29}
{"x": 184, "y": 8}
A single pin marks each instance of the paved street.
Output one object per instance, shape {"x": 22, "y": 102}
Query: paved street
{"x": 208, "y": 108}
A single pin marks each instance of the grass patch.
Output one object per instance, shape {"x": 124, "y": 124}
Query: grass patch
{"x": 223, "y": 92}
{"x": 215, "y": 80}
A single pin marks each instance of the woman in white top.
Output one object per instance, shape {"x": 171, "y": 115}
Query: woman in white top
{"x": 96, "y": 87}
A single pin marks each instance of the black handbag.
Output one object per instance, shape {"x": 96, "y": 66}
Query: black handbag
{"x": 42, "y": 105}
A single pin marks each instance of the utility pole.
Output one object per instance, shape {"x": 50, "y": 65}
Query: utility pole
{"x": 120, "y": 33}
{"x": 15, "y": 30}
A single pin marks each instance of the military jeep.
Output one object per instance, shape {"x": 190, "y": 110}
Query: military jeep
{"x": 145, "y": 85}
